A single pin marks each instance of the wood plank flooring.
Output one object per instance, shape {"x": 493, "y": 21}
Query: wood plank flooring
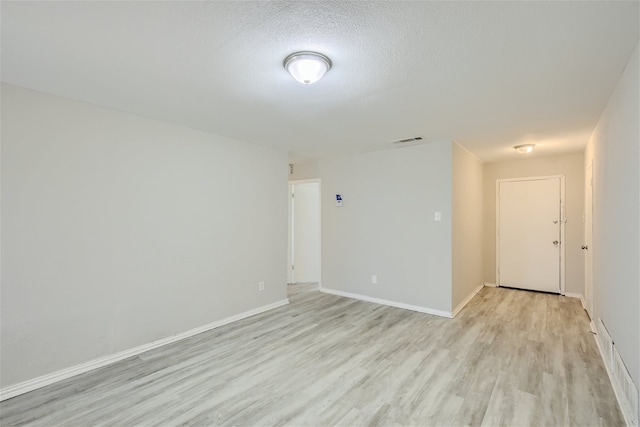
{"x": 509, "y": 358}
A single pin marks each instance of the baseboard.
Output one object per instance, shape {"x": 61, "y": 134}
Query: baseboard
{"x": 316, "y": 284}
{"x": 630, "y": 418}
{"x": 48, "y": 379}
{"x": 490, "y": 285}
{"x": 466, "y": 300}
{"x": 366, "y": 298}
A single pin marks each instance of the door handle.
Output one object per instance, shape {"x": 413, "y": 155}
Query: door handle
{"x": 555, "y": 242}
{"x": 585, "y": 247}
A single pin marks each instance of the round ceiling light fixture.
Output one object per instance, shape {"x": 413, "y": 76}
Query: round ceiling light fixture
{"x": 524, "y": 148}
{"x": 307, "y": 67}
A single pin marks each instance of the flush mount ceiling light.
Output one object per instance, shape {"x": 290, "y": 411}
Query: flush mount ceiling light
{"x": 524, "y": 148}
{"x": 307, "y": 67}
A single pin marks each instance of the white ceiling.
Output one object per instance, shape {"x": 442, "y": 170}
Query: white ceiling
{"x": 487, "y": 74}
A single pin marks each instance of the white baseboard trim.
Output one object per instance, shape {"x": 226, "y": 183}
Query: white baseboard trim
{"x": 467, "y": 300}
{"x": 48, "y": 379}
{"x": 490, "y": 285}
{"x": 366, "y": 298}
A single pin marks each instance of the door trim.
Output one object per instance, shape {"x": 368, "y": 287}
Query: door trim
{"x": 563, "y": 221}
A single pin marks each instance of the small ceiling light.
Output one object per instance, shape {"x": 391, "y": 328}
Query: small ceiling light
{"x": 524, "y": 148}
{"x": 307, "y": 67}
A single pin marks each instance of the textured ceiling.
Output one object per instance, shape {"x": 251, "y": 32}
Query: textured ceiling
{"x": 487, "y": 74}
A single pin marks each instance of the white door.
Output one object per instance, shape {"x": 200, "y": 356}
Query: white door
{"x": 588, "y": 239}
{"x": 305, "y": 260}
{"x": 529, "y": 222}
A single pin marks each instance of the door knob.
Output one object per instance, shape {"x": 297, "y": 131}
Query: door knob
{"x": 585, "y": 247}
{"x": 555, "y": 242}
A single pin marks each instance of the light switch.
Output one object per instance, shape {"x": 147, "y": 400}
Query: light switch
{"x": 438, "y": 216}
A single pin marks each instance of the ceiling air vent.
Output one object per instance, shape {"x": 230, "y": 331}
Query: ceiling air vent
{"x": 405, "y": 140}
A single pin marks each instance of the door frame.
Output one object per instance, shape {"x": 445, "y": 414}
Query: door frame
{"x": 563, "y": 221}
{"x": 291, "y": 226}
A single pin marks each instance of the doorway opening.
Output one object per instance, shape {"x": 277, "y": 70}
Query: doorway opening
{"x": 303, "y": 254}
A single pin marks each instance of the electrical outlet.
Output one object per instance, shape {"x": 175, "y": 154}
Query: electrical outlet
{"x": 374, "y": 279}
{"x": 261, "y": 286}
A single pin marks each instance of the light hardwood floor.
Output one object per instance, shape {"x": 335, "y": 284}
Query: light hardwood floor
{"x": 509, "y": 358}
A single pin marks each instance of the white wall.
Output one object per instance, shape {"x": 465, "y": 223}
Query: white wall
{"x": 569, "y": 165}
{"x": 118, "y": 231}
{"x": 386, "y": 226}
{"x": 614, "y": 149}
{"x": 467, "y": 224}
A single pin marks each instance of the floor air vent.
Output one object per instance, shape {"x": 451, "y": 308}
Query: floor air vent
{"x": 624, "y": 388}
{"x": 605, "y": 341}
